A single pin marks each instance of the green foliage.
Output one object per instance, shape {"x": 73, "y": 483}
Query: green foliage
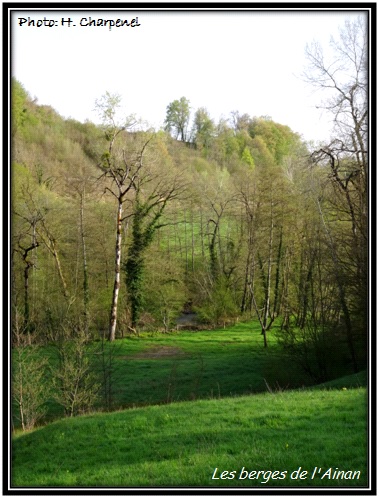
{"x": 231, "y": 144}
{"x": 88, "y": 136}
{"x": 261, "y": 153}
{"x": 19, "y": 103}
{"x": 177, "y": 118}
{"x": 278, "y": 138}
{"x": 134, "y": 274}
{"x": 220, "y": 306}
{"x": 105, "y": 159}
{"x": 21, "y": 176}
{"x": 203, "y": 130}
{"x": 144, "y": 226}
{"x": 164, "y": 290}
{"x": 247, "y": 157}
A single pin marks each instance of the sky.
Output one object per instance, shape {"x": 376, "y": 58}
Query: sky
{"x": 245, "y": 61}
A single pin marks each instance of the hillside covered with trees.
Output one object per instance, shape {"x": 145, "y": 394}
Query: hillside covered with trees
{"x": 119, "y": 229}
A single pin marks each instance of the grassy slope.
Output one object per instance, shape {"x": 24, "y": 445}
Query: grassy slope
{"x": 182, "y": 443}
{"x": 348, "y": 381}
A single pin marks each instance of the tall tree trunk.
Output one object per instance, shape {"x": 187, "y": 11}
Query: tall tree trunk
{"x": 267, "y": 304}
{"x": 276, "y": 306}
{"x": 51, "y": 245}
{"x": 265, "y": 316}
{"x": 116, "y": 285}
{"x": 192, "y": 242}
{"x": 185, "y": 239}
{"x": 85, "y": 267}
{"x": 213, "y": 252}
{"x": 305, "y": 286}
{"x": 26, "y": 297}
{"x": 28, "y": 266}
{"x": 202, "y": 233}
{"x": 285, "y": 306}
{"x": 246, "y": 303}
{"x": 54, "y": 252}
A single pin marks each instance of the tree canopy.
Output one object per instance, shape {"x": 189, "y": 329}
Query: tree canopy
{"x": 177, "y": 118}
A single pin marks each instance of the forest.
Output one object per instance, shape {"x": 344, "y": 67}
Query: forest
{"x": 118, "y": 231}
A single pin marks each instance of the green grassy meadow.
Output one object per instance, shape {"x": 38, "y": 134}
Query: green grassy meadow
{"x": 188, "y": 365}
{"x": 182, "y": 444}
{"x": 196, "y": 365}
{"x": 218, "y": 400}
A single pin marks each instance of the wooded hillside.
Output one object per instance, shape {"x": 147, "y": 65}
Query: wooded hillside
{"x": 118, "y": 229}
{"x": 240, "y": 220}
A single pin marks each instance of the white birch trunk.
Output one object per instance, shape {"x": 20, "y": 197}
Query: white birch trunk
{"x": 116, "y": 286}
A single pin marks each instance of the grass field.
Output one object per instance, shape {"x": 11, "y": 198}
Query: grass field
{"x": 222, "y": 402}
{"x": 182, "y": 444}
{"x": 190, "y": 365}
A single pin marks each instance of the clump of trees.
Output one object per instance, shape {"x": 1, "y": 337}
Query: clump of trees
{"x": 339, "y": 308}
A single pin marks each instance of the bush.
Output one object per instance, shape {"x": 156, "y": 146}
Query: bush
{"x": 220, "y": 307}
{"x": 30, "y": 388}
{"x": 75, "y": 380}
{"x": 318, "y": 349}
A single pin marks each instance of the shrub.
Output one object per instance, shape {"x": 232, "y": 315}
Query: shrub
{"x": 30, "y": 389}
{"x": 75, "y": 379}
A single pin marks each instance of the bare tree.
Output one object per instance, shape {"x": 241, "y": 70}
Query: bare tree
{"x": 29, "y": 262}
{"x": 343, "y": 80}
{"x": 122, "y": 165}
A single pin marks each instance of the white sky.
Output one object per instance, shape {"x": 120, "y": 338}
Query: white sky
{"x": 224, "y": 61}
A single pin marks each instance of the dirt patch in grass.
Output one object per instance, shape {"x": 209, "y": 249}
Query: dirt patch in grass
{"x": 157, "y": 353}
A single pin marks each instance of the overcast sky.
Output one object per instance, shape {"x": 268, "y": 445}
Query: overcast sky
{"x": 225, "y": 61}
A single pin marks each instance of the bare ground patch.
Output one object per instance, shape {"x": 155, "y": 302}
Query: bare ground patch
{"x": 157, "y": 353}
